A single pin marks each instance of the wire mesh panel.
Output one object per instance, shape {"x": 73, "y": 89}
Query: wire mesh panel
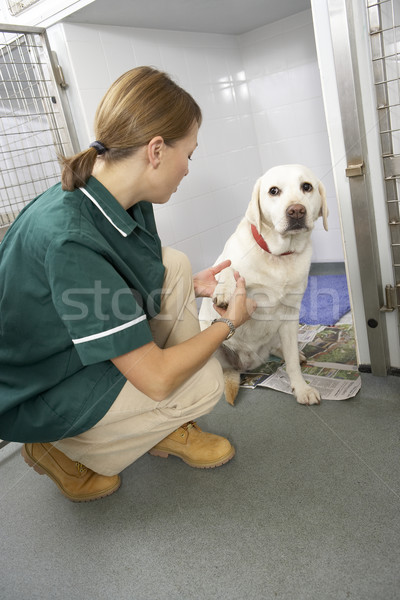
{"x": 384, "y": 26}
{"x": 33, "y": 130}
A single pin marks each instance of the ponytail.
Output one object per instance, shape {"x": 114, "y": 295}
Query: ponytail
{"x": 77, "y": 169}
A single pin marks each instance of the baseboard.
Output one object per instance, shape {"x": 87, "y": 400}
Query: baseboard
{"x": 391, "y": 370}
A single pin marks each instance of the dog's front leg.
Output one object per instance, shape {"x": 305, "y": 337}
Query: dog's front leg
{"x": 304, "y": 393}
{"x": 225, "y": 287}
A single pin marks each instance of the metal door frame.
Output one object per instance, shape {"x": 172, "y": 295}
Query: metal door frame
{"x": 354, "y": 135}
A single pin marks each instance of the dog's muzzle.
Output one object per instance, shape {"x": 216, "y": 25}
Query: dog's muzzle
{"x": 296, "y": 217}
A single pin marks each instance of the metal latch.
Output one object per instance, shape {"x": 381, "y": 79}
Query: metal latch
{"x": 390, "y": 295}
{"x": 355, "y": 169}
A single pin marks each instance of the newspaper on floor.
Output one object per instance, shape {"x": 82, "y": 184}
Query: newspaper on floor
{"x": 331, "y": 364}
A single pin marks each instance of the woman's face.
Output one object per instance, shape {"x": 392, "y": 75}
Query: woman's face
{"x": 175, "y": 164}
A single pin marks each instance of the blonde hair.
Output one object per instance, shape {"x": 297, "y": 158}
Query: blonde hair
{"x": 139, "y": 105}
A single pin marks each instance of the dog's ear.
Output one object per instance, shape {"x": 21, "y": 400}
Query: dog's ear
{"x": 253, "y": 210}
{"x": 323, "y": 212}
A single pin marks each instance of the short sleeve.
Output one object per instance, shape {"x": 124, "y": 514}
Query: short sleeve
{"x": 103, "y": 315}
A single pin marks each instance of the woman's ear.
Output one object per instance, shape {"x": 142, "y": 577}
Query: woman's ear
{"x": 154, "y": 151}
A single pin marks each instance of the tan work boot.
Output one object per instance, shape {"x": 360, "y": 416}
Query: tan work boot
{"x": 195, "y": 447}
{"x": 75, "y": 481}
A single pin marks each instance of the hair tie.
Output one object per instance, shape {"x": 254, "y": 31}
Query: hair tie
{"x": 101, "y": 149}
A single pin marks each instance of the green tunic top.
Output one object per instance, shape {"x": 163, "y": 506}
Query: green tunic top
{"x": 80, "y": 277}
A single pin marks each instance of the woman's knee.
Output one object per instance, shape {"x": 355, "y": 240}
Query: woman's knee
{"x": 177, "y": 265}
{"x": 200, "y": 393}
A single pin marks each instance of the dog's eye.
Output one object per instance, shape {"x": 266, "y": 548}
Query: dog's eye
{"x": 274, "y": 191}
{"x": 306, "y": 187}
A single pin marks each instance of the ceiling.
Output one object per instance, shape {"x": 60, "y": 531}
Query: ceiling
{"x": 231, "y": 17}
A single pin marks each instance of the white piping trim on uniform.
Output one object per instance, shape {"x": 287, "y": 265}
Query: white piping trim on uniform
{"x": 97, "y": 336}
{"x": 101, "y": 210}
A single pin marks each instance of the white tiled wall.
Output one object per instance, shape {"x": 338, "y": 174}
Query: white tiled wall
{"x": 261, "y": 100}
{"x": 281, "y": 67}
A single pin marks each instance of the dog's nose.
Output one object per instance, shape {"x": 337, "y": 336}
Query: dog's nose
{"x": 296, "y": 211}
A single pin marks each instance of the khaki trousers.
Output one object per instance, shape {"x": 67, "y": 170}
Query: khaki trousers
{"x": 135, "y": 423}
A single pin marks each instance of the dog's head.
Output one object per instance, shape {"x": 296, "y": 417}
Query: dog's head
{"x": 288, "y": 198}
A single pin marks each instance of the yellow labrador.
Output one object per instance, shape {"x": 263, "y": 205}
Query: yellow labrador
{"x": 271, "y": 249}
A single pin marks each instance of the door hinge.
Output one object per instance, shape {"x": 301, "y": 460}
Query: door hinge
{"x": 355, "y": 169}
{"x": 58, "y": 72}
{"x": 390, "y": 297}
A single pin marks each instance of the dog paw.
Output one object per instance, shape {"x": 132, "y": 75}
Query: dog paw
{"x": 308, "y": 395}
{"x": 302, "y": 358}
{"x": 223, "y": 293}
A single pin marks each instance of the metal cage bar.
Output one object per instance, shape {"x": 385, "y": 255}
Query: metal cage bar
{"x": 384, "y": 29}
{"x": 33, "y": 128}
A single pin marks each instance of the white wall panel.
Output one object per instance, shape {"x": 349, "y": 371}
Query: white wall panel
{"x": 280, "y": 62}
{"x": 262, "y": 104}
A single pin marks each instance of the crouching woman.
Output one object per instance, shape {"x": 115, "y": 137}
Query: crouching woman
{"x": 101, "y": 354}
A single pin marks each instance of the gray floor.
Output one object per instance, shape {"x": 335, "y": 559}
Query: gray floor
{"x": 308, "y": 509}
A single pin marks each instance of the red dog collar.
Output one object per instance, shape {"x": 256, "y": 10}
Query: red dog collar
{"x": 262, "y": 243}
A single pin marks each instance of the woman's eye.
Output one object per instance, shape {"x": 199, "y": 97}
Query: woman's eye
{"x": 307, "y": 187}
{"x": 274, "y": 191}
{"x": 190, "y": 157}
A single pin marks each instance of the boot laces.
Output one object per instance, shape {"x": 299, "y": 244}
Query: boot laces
{"x": 81, "y": 468}
{"x": 188, "y": 425}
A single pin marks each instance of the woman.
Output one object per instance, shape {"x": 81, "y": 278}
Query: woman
{"x": 101, "y": 354}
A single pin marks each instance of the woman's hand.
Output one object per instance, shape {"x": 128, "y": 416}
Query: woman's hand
{"x": 240, "y": 307}
{"x": 205, "y": 282}
{"x": 157, "y": 372}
